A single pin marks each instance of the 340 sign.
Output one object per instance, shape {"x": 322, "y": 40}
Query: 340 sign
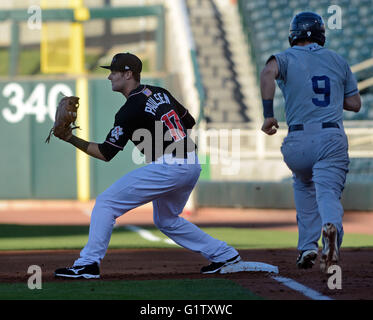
{"x": 40, "y": 103}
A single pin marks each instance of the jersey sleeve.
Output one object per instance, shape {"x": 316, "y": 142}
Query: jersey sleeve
{"x": 116, "y": 139}
{"x": 350, "y": 88}
{"x": 282, "y": 63}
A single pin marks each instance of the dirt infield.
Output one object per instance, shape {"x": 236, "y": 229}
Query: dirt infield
{"x": 356, "y": 264}
{"x": 357, "y": 277}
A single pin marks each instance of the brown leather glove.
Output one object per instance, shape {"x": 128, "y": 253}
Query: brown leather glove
{"x": 66, "y": 114}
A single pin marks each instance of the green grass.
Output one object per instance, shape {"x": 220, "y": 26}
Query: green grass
{"x": 29, "y": 63}
{"x": 186, "y": 289}
{"x": 4, "y": 62}
{"x": 21, "y": 237}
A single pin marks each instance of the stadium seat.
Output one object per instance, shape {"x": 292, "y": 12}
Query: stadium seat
{"x": 216, "y": 65}
{"x": 268, "y": 27}
{"x": 360, "y": 170}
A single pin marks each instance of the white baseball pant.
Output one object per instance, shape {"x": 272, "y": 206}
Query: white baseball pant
{"x": 168, "y": 186}
{"x": 319, "y": 161}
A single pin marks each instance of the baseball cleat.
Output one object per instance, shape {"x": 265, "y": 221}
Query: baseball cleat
{"x": 90, "y": 271}
{"x": 306, "y": 259}
{"x": 214, "y": 267}
{"x": 330, "y": 250}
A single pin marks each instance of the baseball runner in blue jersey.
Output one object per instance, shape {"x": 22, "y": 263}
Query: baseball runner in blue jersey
{"x": 158, "y": 126}
{"x": 317, "y": 85}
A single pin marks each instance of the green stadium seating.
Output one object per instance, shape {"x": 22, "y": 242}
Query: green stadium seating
{"x": 267, "y": 24}
{"x": 360, "y": 170}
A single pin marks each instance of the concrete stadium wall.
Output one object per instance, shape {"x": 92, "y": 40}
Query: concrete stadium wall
{"x": 266, "y": 195}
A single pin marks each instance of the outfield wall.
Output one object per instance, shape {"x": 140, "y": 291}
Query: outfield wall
{"x": 32, "y": 169}
{"x": 267, "y": 195}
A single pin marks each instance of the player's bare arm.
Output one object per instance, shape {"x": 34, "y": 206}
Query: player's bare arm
{"x": 352, "y": 103}
{"x": 267, "y": 79}
{"x": 89, "y": 148}
{"x": 267, "y": 89}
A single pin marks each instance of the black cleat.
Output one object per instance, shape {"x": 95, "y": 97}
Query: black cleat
{"x": 306, "y": 259}
{"x": 216, "y": 266}
{"x": 90, "y": 271}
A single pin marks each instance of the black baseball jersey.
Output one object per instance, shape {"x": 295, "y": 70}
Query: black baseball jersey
{"x": 154, "y": 121}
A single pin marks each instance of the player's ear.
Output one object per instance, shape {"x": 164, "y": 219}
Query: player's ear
{"x": 127, "y": 75}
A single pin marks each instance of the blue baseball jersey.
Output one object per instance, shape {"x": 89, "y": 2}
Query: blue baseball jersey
{"x": 314, "y": 81}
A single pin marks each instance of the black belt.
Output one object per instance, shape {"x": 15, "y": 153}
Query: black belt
{"x": 299, "y": 127}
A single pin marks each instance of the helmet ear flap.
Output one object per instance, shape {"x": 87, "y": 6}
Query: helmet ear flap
{"x": 292, "y": 40}
{"x": 321, "y": 40}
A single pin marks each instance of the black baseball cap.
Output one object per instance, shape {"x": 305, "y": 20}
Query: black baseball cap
{"x": 124, "y": 62}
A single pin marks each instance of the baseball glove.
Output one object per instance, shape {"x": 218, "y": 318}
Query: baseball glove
{"x": 66, "y": 114}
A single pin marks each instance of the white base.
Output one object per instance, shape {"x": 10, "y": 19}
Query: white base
{"x": 249, "y": 266}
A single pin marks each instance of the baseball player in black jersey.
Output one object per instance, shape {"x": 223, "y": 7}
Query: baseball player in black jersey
{"x": 158, "y": 125}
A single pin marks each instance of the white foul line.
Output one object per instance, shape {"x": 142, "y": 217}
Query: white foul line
{"x": 148, "y": 235}
{"x": 143, "y": 233}
{"x": 292, "y": 284}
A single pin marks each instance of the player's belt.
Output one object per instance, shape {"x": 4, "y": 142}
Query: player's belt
{"x": 300, "y": 127}
{"x": 168, "y": 158}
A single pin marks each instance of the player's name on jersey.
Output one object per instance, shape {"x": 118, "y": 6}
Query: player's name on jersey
{"x": 155, "y": 101}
